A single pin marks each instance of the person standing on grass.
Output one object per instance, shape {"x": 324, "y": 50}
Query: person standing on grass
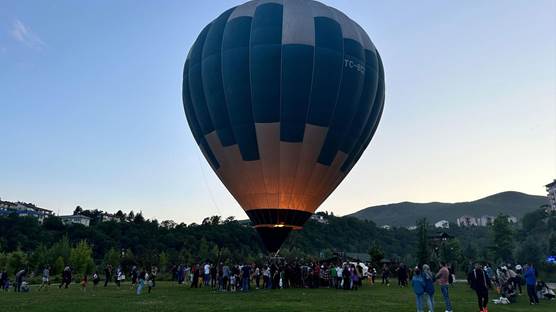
{"x": 66, "y": 277}
{"x": 96, "y": 279}
{"x": 246, "y": 275}
{"x": 355, "y": 278}
{"x": 149, "y": 278}
{"x": 19, "y": 277}
{"x": 4, "y": 281}
{"x": 195, "y": 281}
{"x": 385, "y": 275}
{"x": 531, "y": 282}
{"x": 418, "y": 285}
{"x": 84, "y": 282}
{"x": 225, "y": 277}
{"x": 429, "y": 285}
{"x": 140, "y": 281}
{"x": 134, "y": 276}
{"x": 45, "y": 278}
{"x": 152, "y": 276}
{"x": 119, "y": 276}
{"x": 107, "y": 274}
{"x": 346, "y": 274}
{"x": 519, "y": 272}
{"x": 332, "y": 277}
{"x": 213, "y": 273}
{"x": 206, "y": 274}
{"x": 480, "y": 283}
{"x": 443, "y": 277}
{"x": 257, "y": 276}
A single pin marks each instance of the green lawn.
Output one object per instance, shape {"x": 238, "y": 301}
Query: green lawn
{"x": 171, "y": 297}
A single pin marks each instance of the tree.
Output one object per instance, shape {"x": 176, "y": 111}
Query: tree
{"x": 529, "y": 251}
{"x": 78, "y": 210}
{"x": 17, "y": 260}
{"x": 423, "y": 253}
{"x": 450, "y": 251}
{"x": 120, "y": 215}
{"x": 81, "y": 258}
{"x": 204, "y": 249}
{"x": 162, "y": 261}
{"x": 376, "y": 253}
{"x": 112, "y": 257}
{"x": 58, "y": 266}
{"x": 533, "y": 220}
{"x": 168, "y": 224}
{"x": 502, "y": 238}
{"x": 39, "y": 258}
{"x": 130, "y": 216}
{"x": 138, "y": 218}
{"x": 215, "y": 220}
{"x": 61, "y": 248}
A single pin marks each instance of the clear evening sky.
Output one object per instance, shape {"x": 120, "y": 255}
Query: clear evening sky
{"x": 91, "y": 111}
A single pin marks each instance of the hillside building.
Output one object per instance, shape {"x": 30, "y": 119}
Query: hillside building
{"x": 485, "y": 220}
{"x": 107, "y": 217}
{"x": 551, "y": 190}
{"x": 442, "y": 224}
{"x": 76, "y": 219}
{"x": 466, "y": 221}
{"x": 319, "y": 218}
{"x": 24, "y": 210}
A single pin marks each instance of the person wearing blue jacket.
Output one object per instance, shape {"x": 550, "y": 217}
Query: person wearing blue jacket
{"x": 418, "y": 284}
{"x": 531, "y": 281}
{"x": 429, "y": 286}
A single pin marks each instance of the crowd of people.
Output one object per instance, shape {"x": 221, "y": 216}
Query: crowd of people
{"x": 506, "y": 280}
{"x": 275, "y": 274}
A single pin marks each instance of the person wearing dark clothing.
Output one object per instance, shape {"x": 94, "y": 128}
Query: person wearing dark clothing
{"x": 4, "y": 280}
{"x": 152, "y": 277}
{"x": 316, "y": 276}
{"x": 107, "y": 274}
{"x": 531, "y": 282}
{"x": 402, "y": 275}
{"x": 245, "y": 276}
{"x": 346, "y": 274}
{"x": 195, "y": 281}
{"x": 19, "y": 277}
{"x": 385, "y": 275}
{"x": 66, "y": 277}
{"x": 96, "y": 279}
{"x": 480, "y": 283}
{"x": 213, "y": 270}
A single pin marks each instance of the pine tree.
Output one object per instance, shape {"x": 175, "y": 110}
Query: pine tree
{"x": 423, "y": 253}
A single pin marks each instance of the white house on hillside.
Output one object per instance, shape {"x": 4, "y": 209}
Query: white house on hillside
{"x": 442, "y": 224}
{"x": 466, "y": 221}
{"x": 76, "y": 219}
{"x": 486, "y": 220}
{"x": 24, "y": 210}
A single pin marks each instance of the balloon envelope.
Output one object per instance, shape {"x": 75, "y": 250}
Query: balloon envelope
{"x": 282, "y": 98}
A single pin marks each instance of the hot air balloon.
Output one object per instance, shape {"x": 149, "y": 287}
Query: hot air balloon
{"x": 282, "y": 97}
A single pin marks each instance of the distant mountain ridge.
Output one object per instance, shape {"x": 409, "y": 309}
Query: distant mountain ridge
{"x": 407, "y": 213}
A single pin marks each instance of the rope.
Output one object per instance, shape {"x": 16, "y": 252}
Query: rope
{"x": 207, "y": 185}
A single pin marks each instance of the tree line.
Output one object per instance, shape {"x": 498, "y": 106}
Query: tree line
{"x": 134, "y": 240}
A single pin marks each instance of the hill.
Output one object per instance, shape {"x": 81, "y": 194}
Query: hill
{"x": 406, "y": 213}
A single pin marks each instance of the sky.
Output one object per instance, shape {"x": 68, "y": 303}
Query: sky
{"x": 91, "y": 111}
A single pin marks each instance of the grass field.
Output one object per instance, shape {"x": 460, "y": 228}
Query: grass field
{"x": 171, "y": 297}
